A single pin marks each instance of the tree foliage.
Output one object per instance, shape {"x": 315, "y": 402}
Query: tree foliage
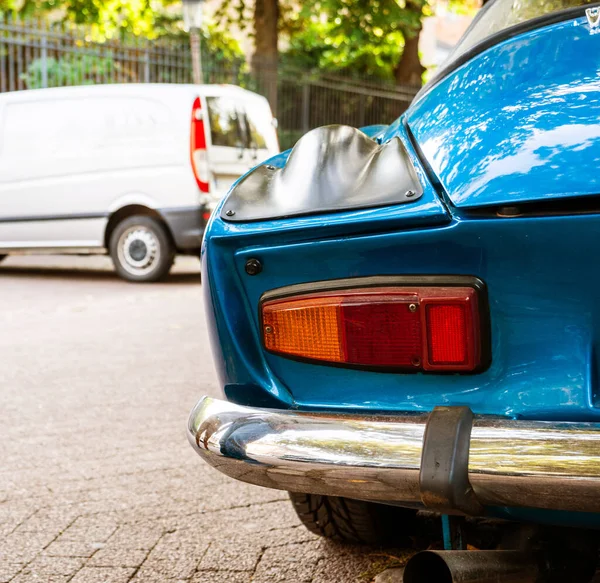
{"x": 108, "y": 19}
{"x": 361, "y": 37}
{"x": 374, "y": 38}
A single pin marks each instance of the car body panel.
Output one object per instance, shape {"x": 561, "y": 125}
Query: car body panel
{"x": 517, "y": 123}
{"x": 542, "y": 329}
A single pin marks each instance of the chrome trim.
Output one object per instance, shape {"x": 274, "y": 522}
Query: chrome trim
{"x": 532, "y": 464}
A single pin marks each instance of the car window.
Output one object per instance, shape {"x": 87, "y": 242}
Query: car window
{"x": 226, "y": 124}
{"x": 498, "y": 16}
{"x": 502, "y": 14}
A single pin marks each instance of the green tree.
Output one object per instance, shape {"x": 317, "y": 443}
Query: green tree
{"x": 378, "y": 38}
{"x": 107, "y": 19}
{"x": 267, "y": 20}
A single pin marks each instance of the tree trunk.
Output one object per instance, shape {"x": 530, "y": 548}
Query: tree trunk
{"x": 409, "y": 70}
{"x": 265, "y": 58}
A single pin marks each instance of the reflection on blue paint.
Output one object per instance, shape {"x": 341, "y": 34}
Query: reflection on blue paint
{"x": 519, "y": 122}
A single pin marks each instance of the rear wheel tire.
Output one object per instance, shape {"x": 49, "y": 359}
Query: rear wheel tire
{"x": 353, "y": 521}
{"x": 141, "y": 249}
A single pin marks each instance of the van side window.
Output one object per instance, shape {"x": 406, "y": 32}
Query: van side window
{"x": 225, "y": 122}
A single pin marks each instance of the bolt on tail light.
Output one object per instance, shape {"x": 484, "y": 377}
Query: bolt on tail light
{"x": 432, "y": 328}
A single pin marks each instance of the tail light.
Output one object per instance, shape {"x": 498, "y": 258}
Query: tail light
{"x": 400, "y": 328}
{"x": 198, "y": 147}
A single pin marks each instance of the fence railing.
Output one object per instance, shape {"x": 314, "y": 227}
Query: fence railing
{"x": 36, "y": 54}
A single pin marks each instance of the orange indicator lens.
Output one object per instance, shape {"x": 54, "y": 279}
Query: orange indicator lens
{"x": 304, "y": 328}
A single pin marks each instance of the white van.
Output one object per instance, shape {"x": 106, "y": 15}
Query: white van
{"x": 131, "y": 170}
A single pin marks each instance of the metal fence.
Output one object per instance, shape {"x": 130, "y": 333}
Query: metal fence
{"x": 35, "y": 54}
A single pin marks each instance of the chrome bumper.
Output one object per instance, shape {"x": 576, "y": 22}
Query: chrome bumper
{"x": 531, "y": 464}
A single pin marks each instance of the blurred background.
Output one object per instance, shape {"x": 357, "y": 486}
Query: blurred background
{"x": 355, "y": 62}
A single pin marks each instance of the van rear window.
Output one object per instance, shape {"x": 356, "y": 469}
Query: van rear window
{"x": 225, "y": 122}
{"x": 237, "y": 124}
{"x": 258, "y": 125}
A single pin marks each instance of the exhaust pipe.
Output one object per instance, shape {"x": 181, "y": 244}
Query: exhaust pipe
{"x": 471, "y": 567}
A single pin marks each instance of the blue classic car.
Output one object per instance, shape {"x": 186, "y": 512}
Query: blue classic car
{"x": 405, "y": 319}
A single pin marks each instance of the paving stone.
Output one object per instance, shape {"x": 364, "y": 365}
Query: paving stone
{"x": 67, "y": 548}
{"x": 23, "y": 547}
{"x": 49, "y": 565}
{"x": 231, "y": 556}
{"x": 37, "y": 578}
{"x": 103, "y": 575}
{"x": 222, "y": 577}
{"x": 9, "y": 569}
{"x": 136, "y": 536}
{"x": 90, "y": 528}
{"x": 345, "y": 566}
{"x": 174, "y": 545}
{"x": 286, "y": 536}
{"x": 112, "y": 556}
{"x": 183, "y": 568}
{"x": 107, "y": 487}
{"x": 294, "y": 562}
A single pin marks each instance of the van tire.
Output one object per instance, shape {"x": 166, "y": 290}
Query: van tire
{"x": 354, "y": 521}
{"x": 141, "y": 249}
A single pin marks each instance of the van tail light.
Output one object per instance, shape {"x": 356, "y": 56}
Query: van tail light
{"x": 399, "y": 328}
{"x": 198, "y": 147}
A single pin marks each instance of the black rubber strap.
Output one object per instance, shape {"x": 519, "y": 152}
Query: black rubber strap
{"x": 444, "y": 477}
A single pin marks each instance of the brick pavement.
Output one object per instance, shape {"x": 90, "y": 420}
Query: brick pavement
{"x": 97, "y": 482}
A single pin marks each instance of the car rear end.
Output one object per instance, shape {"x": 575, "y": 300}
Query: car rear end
{"x": 384, "y": 315}
{"x": 435, "y": 349}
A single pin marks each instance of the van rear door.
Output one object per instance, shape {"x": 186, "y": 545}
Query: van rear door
{"x": 228, "y": 141}
{"x": 240, "y": 134}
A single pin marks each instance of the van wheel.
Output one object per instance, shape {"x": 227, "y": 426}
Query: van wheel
{"x": 354, "y": 521}
{"x": 141, "y": 249}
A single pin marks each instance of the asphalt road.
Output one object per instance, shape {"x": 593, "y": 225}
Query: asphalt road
{"x": 97, "y": 481}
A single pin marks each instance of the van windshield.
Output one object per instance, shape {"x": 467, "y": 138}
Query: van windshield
{"x": 237, "y": 124}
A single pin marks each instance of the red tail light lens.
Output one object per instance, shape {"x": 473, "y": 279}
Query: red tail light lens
{"x": 411, "y": 328}
{"x": 198, "y": 147}
{"x": 447, "y": 334}
{"x": 380, "y": 330}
